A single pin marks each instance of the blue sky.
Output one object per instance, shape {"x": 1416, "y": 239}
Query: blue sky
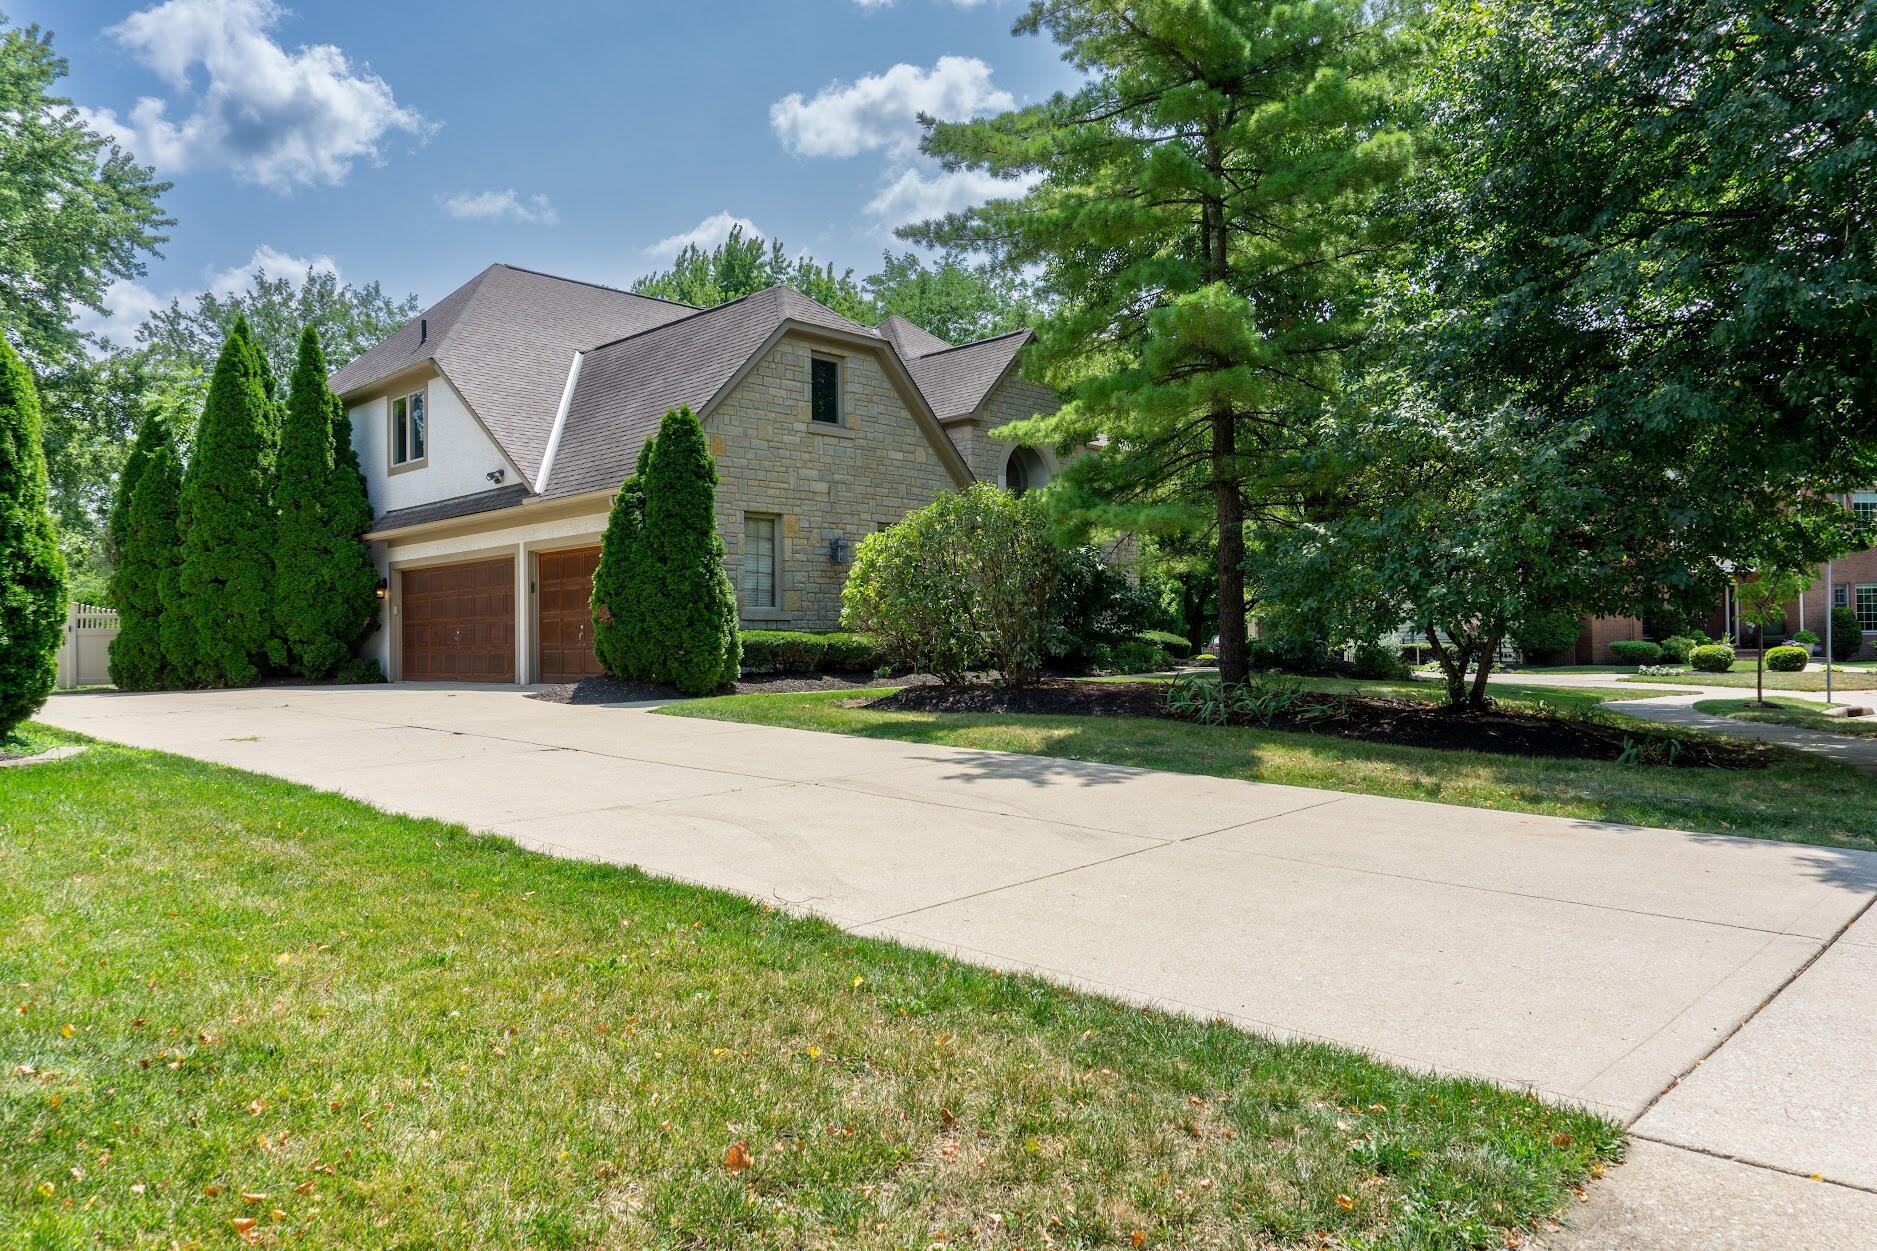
{"x": 414, "y": 143}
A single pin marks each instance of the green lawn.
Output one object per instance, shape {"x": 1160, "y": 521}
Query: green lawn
{"x": 1742, "y": 675}
{"x": 1798, "y": 799}
{"x": 237, "y": 1007}
{"x": 1794, "y": 712}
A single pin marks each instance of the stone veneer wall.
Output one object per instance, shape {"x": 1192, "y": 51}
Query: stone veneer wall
{"x": 1014, "y": 399}
{"x": 819, "y": 480}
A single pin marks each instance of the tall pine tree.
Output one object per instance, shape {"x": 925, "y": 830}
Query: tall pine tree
{"x": 32, "y": 573}
{"x": 323, "y": 574}
{"x": 150, "y": 555}
{"x": 228, "y": 526}
{"x": 1199, "y": 218}
{"x": 619, "y": 638}
{"x": 689, "y": 605}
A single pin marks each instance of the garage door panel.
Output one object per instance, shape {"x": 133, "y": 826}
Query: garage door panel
{"x": 566, "y": 617}
{"x": 459, "y": 622}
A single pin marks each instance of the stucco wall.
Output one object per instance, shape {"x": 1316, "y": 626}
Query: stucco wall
{"x": 821, "y": 481}
{"x": 457, "y": 461}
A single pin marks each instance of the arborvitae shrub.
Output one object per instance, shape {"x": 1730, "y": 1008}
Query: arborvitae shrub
{"x": 151, "y": 552}
{"x": 619, "y": 638}
{"x": 32, "y": 572}
{"x": 689, "y": 606}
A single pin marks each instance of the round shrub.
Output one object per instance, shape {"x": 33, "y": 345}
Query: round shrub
{"x": 1787, "y": 659}
{"x": 1635, "y": 652}
{"x": 1805, "y": 638}
{"x": 1675, "y": 648}
{"x": 1712, "y": 658}
{"x": 1847, "y": 636}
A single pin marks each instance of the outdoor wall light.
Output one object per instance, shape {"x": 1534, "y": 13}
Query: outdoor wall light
{"x": 383, "y": 588}
{"x": 837, "y": 550}
{"x": 496, "y": 475}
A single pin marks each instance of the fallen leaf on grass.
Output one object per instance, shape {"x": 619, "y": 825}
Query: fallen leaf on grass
{"x": 737, "y": 1158}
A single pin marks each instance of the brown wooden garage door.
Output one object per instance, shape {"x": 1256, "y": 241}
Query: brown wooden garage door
{"x": 459, "y": 622}
{"x": 567, "y": 615}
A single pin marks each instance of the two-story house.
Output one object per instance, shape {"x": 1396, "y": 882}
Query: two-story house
{"x": 495, "y": 428}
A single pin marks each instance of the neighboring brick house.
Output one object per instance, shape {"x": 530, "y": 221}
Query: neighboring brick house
{"x": 495, "y": 428}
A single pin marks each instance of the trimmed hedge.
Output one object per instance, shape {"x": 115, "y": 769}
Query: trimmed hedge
{"x": 1675, "y": 648}
{"x": 1787, "y": 659}
{"x": 1175, "y": 645}
{"x": 802, "y": 651}
{"x": 1636, "y": 652}
{"x": 1712, "y": 658}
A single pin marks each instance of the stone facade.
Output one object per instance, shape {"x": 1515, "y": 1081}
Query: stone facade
{"x": 1013, "y": 399}
{"x": 820, "y": 482}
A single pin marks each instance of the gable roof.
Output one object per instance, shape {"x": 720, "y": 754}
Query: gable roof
{"x": 910, "y": 338}
{"x": 505, "y": 340}
{"x": 625, "y": 388}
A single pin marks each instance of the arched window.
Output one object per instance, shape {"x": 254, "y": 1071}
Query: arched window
{"x": 1024, "y": 469}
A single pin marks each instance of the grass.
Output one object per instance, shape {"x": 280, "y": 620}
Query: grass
{"x": 239, "y": 1008}
{"x": 29, "y": 739}
{"x": 1805, "y": 680}
{"x": 1802, "y": 714}
{"x": 1797, "y": 799}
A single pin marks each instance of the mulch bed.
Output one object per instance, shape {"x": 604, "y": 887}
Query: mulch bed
{"x": 611, "y": 690}
{"x": 1408, "y": 722}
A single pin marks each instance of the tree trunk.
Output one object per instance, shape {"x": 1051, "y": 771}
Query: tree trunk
{"x": 1476, "y": 698}
{"x": 1455, "y": 674}
{"x": 1759, "y": 668}
{"x": 1193, "y": 616}
{"x": 1234, "y": 664}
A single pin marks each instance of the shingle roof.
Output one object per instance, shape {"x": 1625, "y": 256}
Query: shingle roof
{"x": 956, "y": 380}
{"x": 909, "y": 338}
{"x": 458, "y": 506}
{"x": 626, "y": 388}
{"x": 505, "y": 339}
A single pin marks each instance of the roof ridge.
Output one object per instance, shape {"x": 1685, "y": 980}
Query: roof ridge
{"x": 959, "y": 347}
{"x": 679, "y": 321}
{"x": 583, "y": 282}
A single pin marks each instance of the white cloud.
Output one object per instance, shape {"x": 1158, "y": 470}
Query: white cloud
{"x": 707, "y": 234}
{"x": 281, "y": 119}
{"x": 129, "y": 303}
{"x": 500, "y": 206}
{"x": 916, "y": 194}
{"x": 882, "y": 110}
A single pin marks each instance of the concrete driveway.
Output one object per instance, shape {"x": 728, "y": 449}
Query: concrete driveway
{"x": 1596, "y": 963}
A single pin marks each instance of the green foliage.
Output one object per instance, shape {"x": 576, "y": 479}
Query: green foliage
{"x": 1675, "y": 648}
{"x": 1380, "y": 661}
{"x": 1129, "y": 656}
{"x": 153, "y": 431}
{"x": 1636, "y": 652}
{"x": 952, "y": 298}
{"x": 1787, "y": 659}
{"x": 744, "y": 264}
{"x": 227, "y": 573}
{"x": 969, "y": 579}
{"x": 1095, "y": 606}
{"x": 1172, "y": 644}
{"x": 1847, "y": 636}
{"x": 150, "y": 555}
{"x": 1262, "y": 700}
{"x": 1805, "y": 637}
{"x": 688, "y": 605}
{"x": 800, "y": 651}
{"x": 1198, "y": 213}
{"x": 76, "y": 212}
{"x": 358, "y": 671}
{"x": 325, "y": 585}
{"x": 32, "y": 573}
{"x": 1711, "y": 658}
{"x": 1545, "y": 635}
{"x": 277, "y": 312}
{"x": 620, "y": 639}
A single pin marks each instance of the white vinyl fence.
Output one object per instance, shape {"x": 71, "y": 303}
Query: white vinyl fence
{"x": 85, "y": 653}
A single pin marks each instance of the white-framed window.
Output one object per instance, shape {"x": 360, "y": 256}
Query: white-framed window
{"x": 761, "y": 561}
{"x": 1866, "y": 608}
{"x": 824, "y": 390}
{"x": 410, "y": 430}
{"x": 1864, "y": 506}
{"x": 1023, "y": 470}
{"x": 1841, "y": 596}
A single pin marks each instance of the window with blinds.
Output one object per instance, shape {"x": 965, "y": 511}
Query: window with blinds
{"x": 759, "y": 562}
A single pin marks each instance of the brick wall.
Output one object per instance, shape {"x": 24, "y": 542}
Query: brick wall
{"x": 1859, "y": 568}
{"x": 1596, "y": 634}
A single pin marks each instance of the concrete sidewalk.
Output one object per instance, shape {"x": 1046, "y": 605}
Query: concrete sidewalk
{"x": 1589, "y": 962}
{"x": 1680, "y": 710}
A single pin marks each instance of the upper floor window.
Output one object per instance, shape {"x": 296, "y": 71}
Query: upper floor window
{"x": 1864, "y": 506}
{"x": 824, "y": 387}
{"x": 410, "y": 431}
